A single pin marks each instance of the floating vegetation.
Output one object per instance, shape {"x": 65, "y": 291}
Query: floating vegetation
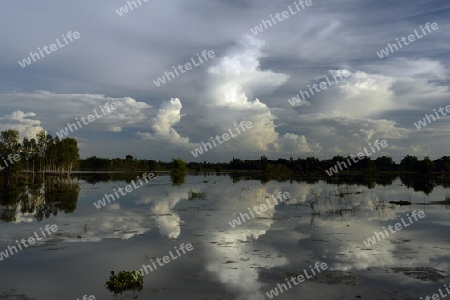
{"x": 422, "y": 273}
{"x": 401, "y": 202}
{"x": 337, "y": 277}
{"x": 194, "y": 195}
{"x": 125, "y": 280}
{"x": 13, "y": 294}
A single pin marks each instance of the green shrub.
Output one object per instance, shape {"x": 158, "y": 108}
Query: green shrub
{"x": 125, "y": 280}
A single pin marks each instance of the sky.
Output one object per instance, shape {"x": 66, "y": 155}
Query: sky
{"x": 119, "y": 55}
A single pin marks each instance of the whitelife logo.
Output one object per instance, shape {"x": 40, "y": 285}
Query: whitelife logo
{"x": 225, "y": 136}
{"x": 397, "y": 226}
{"x": 11, "y": 162}
{"x": 27, "y": 61}
{"x": 284, "y": 15}
{"x": 162, "y": 80}
{"x": 436, "y": 296}
{"x": 274, "y": 292}
{"x": 235, "y": 222}
{"x": 322, "y": 86}
{"x": 166, "y": 259}
{"x": 85, "y": 297}
{"x": 342, "y": 165}
{"x": 411, "y": 38}
{"x": 31, "y": 240}
{"x": 110, "y": 197}
{"x": 124, "y": 9}
{"x": 90, "y": 118}
{"x": 423, "y": 123}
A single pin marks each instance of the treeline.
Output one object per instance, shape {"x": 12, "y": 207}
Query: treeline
{"x": 39, "y": 154}
{"x": 311, "y": 165}
{"x": 299, "y": 166}
{"x": 47, "y": 154}
{"x": 129, "y": 163}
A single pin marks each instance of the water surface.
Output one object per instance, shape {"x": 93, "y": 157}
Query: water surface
{"x": 243, "y": 262}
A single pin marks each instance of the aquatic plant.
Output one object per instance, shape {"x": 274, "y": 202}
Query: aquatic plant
{"x": 401, "y": 202}
{"x": 125, "y": 280}
{"x": 195, "y": 195}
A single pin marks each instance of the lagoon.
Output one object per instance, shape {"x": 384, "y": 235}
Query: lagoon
{"x": 320, "y": 221}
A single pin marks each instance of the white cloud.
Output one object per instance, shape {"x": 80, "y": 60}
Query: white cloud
{"x": 21, "y": 122}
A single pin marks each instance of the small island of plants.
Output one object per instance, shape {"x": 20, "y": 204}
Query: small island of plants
{"x": 125, "y": 280}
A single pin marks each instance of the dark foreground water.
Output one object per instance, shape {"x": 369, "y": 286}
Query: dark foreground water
{"x": 244, "y": 262}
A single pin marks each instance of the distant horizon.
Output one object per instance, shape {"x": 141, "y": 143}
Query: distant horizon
{"x": 274, "y": 159}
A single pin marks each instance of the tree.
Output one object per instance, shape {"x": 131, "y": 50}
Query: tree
{"x": 179, "y": 166}
{"x": 385, "y": 164}
{"x": 264, "y": 163}
{"x": 41, "y": 148}
{"x": 409, "y": 164}
{"x": 179, "y": 171}
{"x": 10, "y": 151}
{"x": 426, "y": 166}
{"x": 69, "y": 156}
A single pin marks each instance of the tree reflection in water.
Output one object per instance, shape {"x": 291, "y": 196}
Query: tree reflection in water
{"x": 42, "y": 199}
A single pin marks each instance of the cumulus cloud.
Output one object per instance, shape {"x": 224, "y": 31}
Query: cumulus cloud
{"x": 56, "y": 110}
{"x": 168, "y": 115}
{"x": 231, "y": 84}
{"x": 422, "y": 69}
{"x": 349, "y": 115}
{"x": 21, "y": 122}
{"x": 238, "y": 74}
{"x": 238, "y": 86}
